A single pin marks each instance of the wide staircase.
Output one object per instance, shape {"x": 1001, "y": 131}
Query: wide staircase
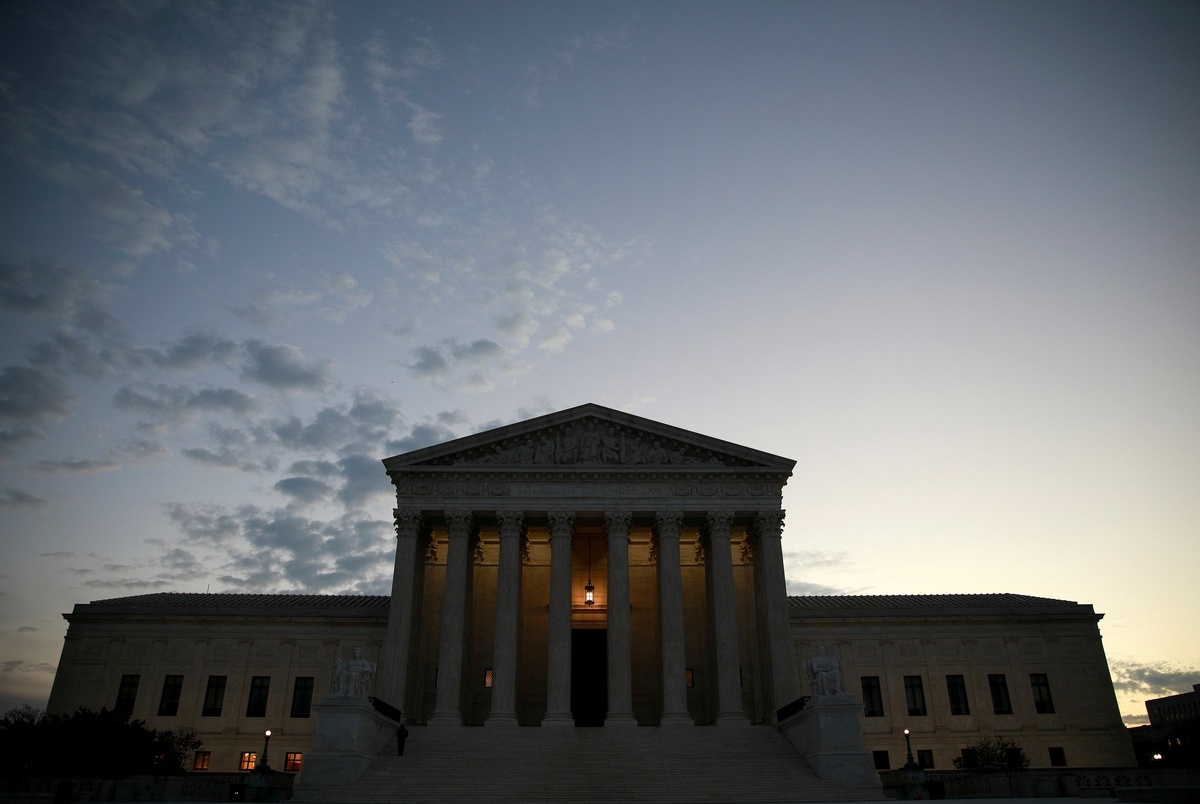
{"x": 704, "y": 763}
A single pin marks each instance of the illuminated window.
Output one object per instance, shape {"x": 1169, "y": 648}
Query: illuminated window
{"x": 256, "y": 704}
{"x": 248, "y": 761}
{"x": 292, "y": 761}
{"x": 1042, "y": 702}
{"x": 1001, "y": 703}
{"x": 126, "y": 695}
{"x": 168, "y": 704}
{"x": 302, "y": 696}
{"x": 957, "y": 688}
{"x": 202, "y": 760}
{"x": 872, "y": 698}
{"x": 690, "y": 675}
{"x": 914, "y": 696}
{"x": 214, "y": 697}
{"x": 487, "y": 677}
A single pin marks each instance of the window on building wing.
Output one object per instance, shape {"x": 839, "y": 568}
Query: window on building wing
{"x": 956, "y": 686}
{"x": 214, "y": 697}
{"x": 872, "y": 697}
{"x": 1058, "y": 757}
{"x": 302, "y": 694}
{"x": 914, "y": 696}
{"x": 256, "y": 704}
{"x": 201, "y": 761}
{"x": 127, "y": 694}
{"x": 1043, "y": 703}
{"x": 925, "y": 758}
{"x": 1001, "y": 703}
{"x": 880, "y": 758}
{"x": 168, "y": 704}
{"x": 293, "y": 761}
{"x": 248, "y": 761}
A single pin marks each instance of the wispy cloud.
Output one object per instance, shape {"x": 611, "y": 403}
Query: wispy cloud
{"x": 1152, "y": 679}
{"x": 74, "y": 467}
{"x": 16, "y": 498}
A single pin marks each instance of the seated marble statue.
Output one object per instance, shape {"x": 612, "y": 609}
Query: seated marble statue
{"x": 824, "y": 673}
{"x": 352, "y": 677}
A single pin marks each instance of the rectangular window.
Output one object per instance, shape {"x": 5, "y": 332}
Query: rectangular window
{"x": 248, "y": 761}
{"x": 302, "y": 696}
{"x": 127, "y": 695}
{"x": 168, "y": 704}
{"x": 881, "y": 760}
{"x": 957, "y": 688}
{"x": 689, "y": 677}
{"x": 1058, "y": 758}
{"x": 1001, "y": 703}
{"x": 256, "y": 704}
{"x": 872, "y": 697}
{"x": 970, "y": 758}
{"x": 925, "y": 758}
{"x": 201, "y": 761}
{"x": 1042, "y": 702}
{"x": 292, "y": 761}
{"x": 487, "y": 677}
{"x": 214, "y": 697}
{"x": 914, "y": 696}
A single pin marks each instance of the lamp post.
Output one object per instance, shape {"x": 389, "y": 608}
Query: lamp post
{"x": 262, "y": 762}
{"x": 910, "y": 764}
{"x": 914, "y": 777}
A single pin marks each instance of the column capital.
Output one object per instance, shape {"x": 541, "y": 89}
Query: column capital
{"x": 768, "y": 524}
{"x": 718, "y": 523}
{"x": 408, "y": 522}
{"x": 617, "y": 522}
{"x": 511, "y": 523}
{"x": 561, "y": 523}
{"x": 668, "y": 523}
{"x": 459, "y": 520}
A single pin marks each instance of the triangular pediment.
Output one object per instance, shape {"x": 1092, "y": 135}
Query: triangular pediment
{"x": 588, "y": 436}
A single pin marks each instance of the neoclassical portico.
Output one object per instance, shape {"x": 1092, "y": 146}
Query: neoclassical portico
{"x": 499, "y": 535}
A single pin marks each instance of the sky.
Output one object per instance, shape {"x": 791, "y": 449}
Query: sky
{"x": 944, "y": 255}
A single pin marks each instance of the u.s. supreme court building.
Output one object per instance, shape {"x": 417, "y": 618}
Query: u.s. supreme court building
{"x": 591, "y": 568}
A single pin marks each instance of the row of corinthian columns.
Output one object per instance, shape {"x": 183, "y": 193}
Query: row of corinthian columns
{"x": 668, "y": 525}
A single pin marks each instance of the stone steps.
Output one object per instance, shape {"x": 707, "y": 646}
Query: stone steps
{"x": 685, "y": 764}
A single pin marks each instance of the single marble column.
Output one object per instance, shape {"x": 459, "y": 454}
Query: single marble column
{"x": 558, "y": 649}
{"x": 724, "y": 612}
{"x": 508, "y": 595}
{"x": 667, "y": 526}
{"x": 769, "y": 565}
{"x": 620, "y": 654}
{"x": 397, "y": 647}
{"x": 448, "y": 711}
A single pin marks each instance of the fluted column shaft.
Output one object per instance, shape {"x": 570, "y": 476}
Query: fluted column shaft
{"x": 769, "y": 562}
{"x": 454, "y": 608}
{"x": 724, "y": 612}
{"x": 508, "y": 595}
{"x": 558, "y": 649}
{"x": 667, "y": 527}
{"x": 397, "y": 648}
{"x": 620, "y": 654}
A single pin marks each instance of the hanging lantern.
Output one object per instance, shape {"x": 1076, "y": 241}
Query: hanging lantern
{"x": 589, "y": 593}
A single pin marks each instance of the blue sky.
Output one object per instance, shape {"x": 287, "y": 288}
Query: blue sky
{"x": 945, "y": 255}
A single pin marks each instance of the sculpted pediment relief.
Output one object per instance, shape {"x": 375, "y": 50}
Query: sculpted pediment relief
{"x": 590, "y": 442}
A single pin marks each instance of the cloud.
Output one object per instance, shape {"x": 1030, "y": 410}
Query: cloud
{"x": 196, "y": 351}
{"x": 22, "y": 666}
{"x": 365, "y": 479}
{"x": 175, "y": 402}
{"x": 14, "y": 439}
{"x": 303, "y": 489}
{"x": 27, "y": 629}
{"x": 45, "y": 289}
{"x": 31, "y": 394}
{"x": 74, "y": 467}
{"x": 434, "y": 362}
{"x": 1152, "y": 679}
{"x": 11, "y": 497}
{"x": 817, "y": 558}
{"x": 557, "y": 340}
{"x": 798, "y": 587}
{"x": 285, "y": 368}
{"x": 423, "y": 125}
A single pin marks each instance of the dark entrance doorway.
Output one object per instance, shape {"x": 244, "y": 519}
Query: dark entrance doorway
{"x": 589, "y": 676}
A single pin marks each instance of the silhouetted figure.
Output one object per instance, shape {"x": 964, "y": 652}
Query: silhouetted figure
{"x": 401, "y": 736}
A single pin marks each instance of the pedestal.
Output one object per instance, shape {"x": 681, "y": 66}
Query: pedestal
{"x": 827, "y": 733}
{"x": 350, "y": 734}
